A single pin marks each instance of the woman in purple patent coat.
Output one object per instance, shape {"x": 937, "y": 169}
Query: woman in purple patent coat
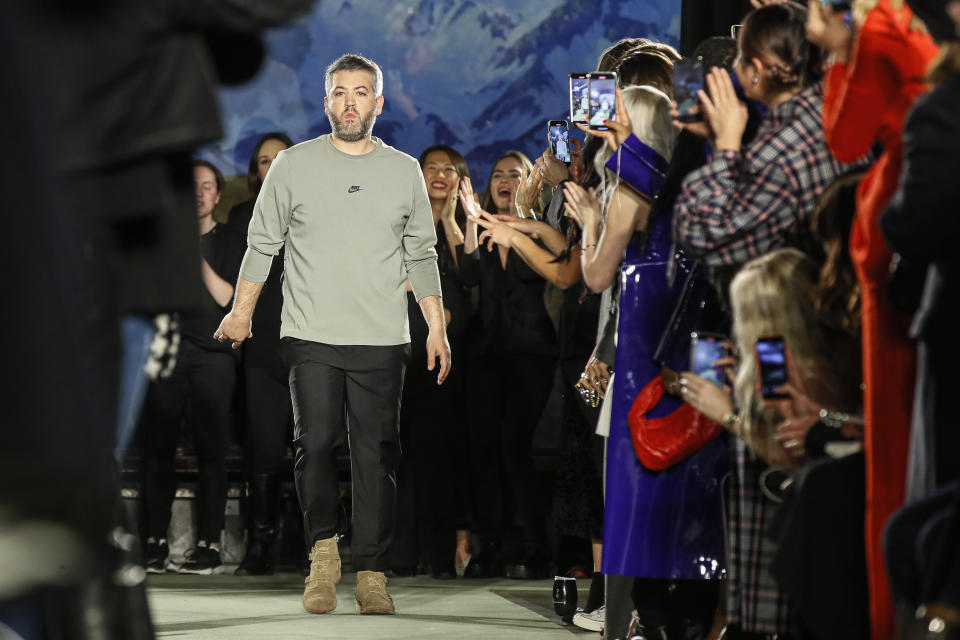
{"x": 662, "y": 526}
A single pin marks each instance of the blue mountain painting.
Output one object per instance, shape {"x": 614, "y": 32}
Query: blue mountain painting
{"x": 481, "y": 76}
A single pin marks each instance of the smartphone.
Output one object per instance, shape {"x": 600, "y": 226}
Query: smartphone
{"x": 579, "y": 97}
{"x": 687, "y": 80}
{"x": 772, "y": 363}
{"x": 603, "y": 99}
{"x": 558, "y": 132}
{"x": 705, "y": 349}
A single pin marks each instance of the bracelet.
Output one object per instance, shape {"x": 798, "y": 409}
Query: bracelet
{"x": 730, "y": 420}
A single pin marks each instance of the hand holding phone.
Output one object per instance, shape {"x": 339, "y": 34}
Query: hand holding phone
{"x": 603, "y": 99}
{"x": 558, "y": 133}
{"x": 705, "y": 350}
{"x": 772, "y": 365}
{"x": 688, "y": 79}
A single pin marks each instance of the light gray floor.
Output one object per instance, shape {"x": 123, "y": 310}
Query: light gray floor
{"x": 235, "y": 608}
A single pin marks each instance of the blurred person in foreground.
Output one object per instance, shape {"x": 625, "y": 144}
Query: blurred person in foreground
{"x": 113, "y": 98}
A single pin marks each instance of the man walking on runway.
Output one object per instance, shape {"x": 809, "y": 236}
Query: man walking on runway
{"x": 356, "y": 222}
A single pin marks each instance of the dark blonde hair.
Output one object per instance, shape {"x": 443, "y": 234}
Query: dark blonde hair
{"x": 777, "y": 35}
{"x": 486, "y": 199}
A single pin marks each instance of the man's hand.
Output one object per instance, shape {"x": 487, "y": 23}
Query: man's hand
{"x": 234, "y": 328}
{"x": 438, "y": 347}
{"x": 437, "y": 344}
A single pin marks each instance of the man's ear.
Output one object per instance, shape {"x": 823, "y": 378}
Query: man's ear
{"x": 325, "y": 99}
{"x": 217, "y": 201}
{"x": 379, "y": 104}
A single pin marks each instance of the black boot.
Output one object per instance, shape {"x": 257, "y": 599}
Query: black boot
{"x": 264, "y": 493}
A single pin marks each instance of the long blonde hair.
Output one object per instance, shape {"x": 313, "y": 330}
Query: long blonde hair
{"x": 773, "y": 295}
{"x": 649, "y": 111}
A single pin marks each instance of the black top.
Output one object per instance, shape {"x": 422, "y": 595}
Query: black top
{"x": 221, "y": 251}
{"x": 512, "y": 315}
{"x": 456, "y": 299}
{"x": 579, "y": 315}
{"x": 261, "y": 349}
{"x": 921, "y": 223}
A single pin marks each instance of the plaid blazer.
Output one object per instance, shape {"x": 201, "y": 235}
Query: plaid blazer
{"x": 743, "y": 204}
{"x": 754, "y": 601}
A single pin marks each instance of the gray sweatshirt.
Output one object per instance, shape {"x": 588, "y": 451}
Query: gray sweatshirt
{"x": 355, "y": 229}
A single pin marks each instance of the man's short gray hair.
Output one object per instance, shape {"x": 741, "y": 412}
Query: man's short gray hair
{"x": 355, "y": 62}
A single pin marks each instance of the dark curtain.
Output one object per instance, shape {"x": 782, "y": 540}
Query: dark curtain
{"x": 701, "y": 19}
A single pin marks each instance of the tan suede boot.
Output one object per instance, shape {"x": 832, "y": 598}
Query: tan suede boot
{"x": 372, "y": 596}
{"x": 320, "y": 590}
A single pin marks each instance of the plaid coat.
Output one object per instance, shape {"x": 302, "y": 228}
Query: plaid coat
{"x": 743, "y": 204}
{"x": 754, "y": 601}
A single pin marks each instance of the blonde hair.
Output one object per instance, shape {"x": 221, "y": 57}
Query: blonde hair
{"x": 773, "y": 295}
{"x": 649, "y": 111}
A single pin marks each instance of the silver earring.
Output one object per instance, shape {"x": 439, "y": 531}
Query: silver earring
{"x": 756, "y": 79}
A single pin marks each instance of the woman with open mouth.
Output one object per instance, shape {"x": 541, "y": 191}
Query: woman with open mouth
{"x": 512, "y": 346}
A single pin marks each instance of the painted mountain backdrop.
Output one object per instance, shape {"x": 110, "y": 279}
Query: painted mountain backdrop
{"x": 483, "y": 76}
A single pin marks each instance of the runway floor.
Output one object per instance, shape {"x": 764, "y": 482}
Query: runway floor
{"x": 240, "y": 608}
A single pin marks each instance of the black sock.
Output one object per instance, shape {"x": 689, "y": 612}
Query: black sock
{"x": 595, "y": 598}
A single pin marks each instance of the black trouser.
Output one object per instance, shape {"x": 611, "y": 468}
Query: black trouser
{"x": 207, "y": 379}
{"x": 432, "y": 483}
{"x": 268, "y": 412}
{"x": 506, "y": 396}
{"x": 368, "y": 380}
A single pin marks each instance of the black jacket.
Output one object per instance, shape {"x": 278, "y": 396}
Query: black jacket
{"x": 512, "y": 315}
{"x": 922, "y": 222}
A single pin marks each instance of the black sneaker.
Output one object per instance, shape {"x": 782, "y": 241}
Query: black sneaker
{"x": 155, "y": 556}
{"x": 201, "y": 560}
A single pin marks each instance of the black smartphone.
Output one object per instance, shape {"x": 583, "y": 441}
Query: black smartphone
{"x": 579, "y": 97}
{"x": 705, "y": 349}
{"x": 603, "y": 99}
{"x": 558, "y": 132}
{"x": 687, "y": 81}
{"x": 772, "y": 364}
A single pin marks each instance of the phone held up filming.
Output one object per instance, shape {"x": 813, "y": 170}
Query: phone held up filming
{"x": 558, "y": 132}
{"x": 772, "y": 364}
{"x": 705, "y": 350}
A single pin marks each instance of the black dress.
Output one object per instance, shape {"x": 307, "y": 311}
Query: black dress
{"x": 512, "y": 352}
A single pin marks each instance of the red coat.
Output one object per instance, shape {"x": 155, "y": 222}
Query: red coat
{"x": 866, "y": 101}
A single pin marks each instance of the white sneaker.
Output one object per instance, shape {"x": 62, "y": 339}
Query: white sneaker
{"x": 592, "y": 621}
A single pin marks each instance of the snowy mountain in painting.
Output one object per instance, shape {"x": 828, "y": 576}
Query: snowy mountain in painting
{"x": 480, "y": 75}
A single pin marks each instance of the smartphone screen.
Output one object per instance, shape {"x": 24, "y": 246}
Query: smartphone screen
{"x": 772, "y": 362}
{"x": 579, "y": 98}
{"x": 603, "y": 99}
{"x": 687, "y": 80}
{"x": 558, "y": 132}
{"x": 705, "y": 349}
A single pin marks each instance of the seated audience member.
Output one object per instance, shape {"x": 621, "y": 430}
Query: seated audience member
{"x": 511, "y": 351}
{"x": 266, "y": 390}
{"x": 204, "y": 376}
{"x": 773, "y": 296}
{"x": 432, "y": 486}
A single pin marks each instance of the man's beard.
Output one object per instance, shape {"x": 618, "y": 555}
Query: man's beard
{"x": 353, "y": 131}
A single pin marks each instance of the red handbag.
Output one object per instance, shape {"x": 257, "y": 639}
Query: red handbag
{"x": 662, "y": 442}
